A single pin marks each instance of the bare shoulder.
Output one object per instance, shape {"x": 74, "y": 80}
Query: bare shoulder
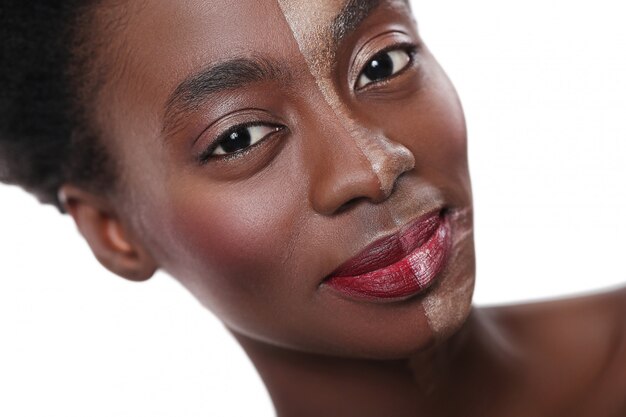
{"x": 595, "y": 314}
{"x": 578, "y": 345}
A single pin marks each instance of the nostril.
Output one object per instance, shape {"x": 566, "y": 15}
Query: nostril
{"x": 371, "y": 197}
{"x": 350, "y": 204}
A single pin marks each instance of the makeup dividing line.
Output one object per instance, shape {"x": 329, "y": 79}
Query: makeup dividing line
{"x": 387, "y": 158}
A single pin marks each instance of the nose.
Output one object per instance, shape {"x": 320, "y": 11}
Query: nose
{"x": 355, "y": 164}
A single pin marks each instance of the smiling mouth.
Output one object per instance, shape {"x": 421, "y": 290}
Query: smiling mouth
{"x": 397, "y": 266}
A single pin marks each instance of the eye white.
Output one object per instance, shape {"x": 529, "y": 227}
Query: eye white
{"x": 243, "y": 138}
{"x": 388, "y": 64}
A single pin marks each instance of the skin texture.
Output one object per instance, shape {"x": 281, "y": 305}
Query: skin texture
{"x": 253, "y": 236}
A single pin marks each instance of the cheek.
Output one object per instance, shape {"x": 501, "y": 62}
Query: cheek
{"x": 446, "y": 133}
{"x": 442, "y": 147}
{"x": 228, "y": 242}
{"x": 432, "y": 126}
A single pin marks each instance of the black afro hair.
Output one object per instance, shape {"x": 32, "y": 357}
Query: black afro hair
{"x": 44, "y": 140}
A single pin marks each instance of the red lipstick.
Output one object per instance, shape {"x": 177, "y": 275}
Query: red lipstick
{"x": 397, "y": 266}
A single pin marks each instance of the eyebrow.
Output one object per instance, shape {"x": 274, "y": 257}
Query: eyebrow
{"x": 350, "y": 17}
{"x": 353, "y": 13}
{"x": 235, "y": 73}
{"x": 213, "y": 79}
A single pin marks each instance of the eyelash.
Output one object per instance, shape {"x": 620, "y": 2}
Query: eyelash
{"x": 209, "y": 153}
{"x": 410, "y": 49}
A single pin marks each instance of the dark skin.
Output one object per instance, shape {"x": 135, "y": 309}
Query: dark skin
{"x": 340, "y": 161}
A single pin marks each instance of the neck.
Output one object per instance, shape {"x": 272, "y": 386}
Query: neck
{"x": 478, "y": 359}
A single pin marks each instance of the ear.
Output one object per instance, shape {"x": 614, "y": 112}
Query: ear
{"x": 111, "y": 241}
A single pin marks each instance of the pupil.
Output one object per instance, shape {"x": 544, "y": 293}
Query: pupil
{"x": 381, "y": 66}
{"x": 237, "y": 140}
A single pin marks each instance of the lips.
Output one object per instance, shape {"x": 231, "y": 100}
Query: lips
{"x": 397, "y": 266}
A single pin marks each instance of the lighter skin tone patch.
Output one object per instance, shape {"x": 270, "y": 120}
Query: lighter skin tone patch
{"x": 311, "y": 31}
{"x": 443, "y": 304}
{"x": 387, "y": 158}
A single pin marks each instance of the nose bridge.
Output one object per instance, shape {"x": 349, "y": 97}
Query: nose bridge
{"x": 349, "y": 161}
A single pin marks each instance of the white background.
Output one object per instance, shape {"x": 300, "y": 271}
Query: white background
{"x": 544, "y": 90}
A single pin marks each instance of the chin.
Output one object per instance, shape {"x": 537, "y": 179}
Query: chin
{"x": 386, "y": 331}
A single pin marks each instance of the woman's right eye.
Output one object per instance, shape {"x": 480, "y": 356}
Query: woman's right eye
{"x": 241, "y": 137}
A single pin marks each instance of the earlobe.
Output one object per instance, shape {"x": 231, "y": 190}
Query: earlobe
{"x": 111, "y": 241}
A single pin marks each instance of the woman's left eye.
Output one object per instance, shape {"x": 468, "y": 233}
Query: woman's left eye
{"x": 242, "y": 137}
{"x": 384, "y": 65}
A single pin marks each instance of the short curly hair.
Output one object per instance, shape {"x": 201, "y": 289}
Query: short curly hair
{"x": 46, "y": 139}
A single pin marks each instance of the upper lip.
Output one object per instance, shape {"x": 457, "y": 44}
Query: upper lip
{"x": 390, "y": 249}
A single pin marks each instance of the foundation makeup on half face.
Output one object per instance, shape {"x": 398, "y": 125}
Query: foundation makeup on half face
{"x": 315, "y": 39}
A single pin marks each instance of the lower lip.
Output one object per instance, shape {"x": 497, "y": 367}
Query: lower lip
{"x": 407, "y": 277}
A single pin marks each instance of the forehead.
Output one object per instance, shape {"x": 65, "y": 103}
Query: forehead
{"x": 195, "y": 32}
{"x": 146, "y": 42}
{"x": 164, "y": 42}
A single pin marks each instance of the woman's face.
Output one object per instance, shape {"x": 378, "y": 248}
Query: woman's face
{"x": 262, "y": 144}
